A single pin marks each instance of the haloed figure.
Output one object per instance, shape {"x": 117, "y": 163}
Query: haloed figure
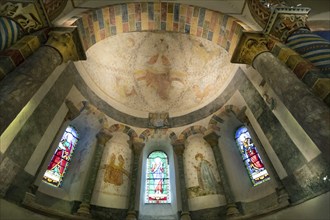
{"x": 157, "y": 171}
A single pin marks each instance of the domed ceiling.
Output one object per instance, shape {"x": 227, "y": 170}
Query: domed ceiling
{"x": 144, "y": 72}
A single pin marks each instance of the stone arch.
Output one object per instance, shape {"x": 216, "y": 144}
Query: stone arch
{"x": 125, "y": 129}
{"x": 196, "y": 129}
{"x": 54, "y": 8}
{"x": 217, "y": 119}
{"x": 151, "y": 132}
{"x": 96, "y": 25}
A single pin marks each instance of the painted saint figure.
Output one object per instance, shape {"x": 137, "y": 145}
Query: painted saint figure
{"x": 252, "y": 160}
{"x": 206, "y": 179}
{"x": 114, "y": 173}
{"x": 58, "y": 164}
{"x": 157, "y": 171}
{"x": 251, "y": 152}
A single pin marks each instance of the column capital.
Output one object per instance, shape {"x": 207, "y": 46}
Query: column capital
{"x": 178, "y": 148}
{"x": 285, "y": 20}
{"x": 103, "y": 136}
{"x": 67, "y": 42}
{"x": 212, "y": 138}
{"x": 73, "y": 110}
{"x": 241, "y": 116}
{"x": 249, "y": 46}
{"x": 137, "y": 145}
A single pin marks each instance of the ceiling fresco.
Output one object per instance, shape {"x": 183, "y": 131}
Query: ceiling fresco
{"x": 144, "y": 72}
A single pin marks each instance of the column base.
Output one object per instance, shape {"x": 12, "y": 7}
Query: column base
{"x": 232, "y": 210}
{"x": 131, "y": 215}
{"x": 84, "y": 210}
{"x": 282, "y": 197}
{"x": 185, "y": 216}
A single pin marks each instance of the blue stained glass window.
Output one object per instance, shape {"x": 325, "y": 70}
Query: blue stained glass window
{"x": 61, "y": 158}
{"x": 251, "y": 158}
{"x": 157, "y": 178}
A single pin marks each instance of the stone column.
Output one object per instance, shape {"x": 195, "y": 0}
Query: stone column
{"x": 17, "y": 88}
{"x": 213, "y": 139}
{"x": 137, "y": 147}
{"x": 310, "y": 112}
{"x": 288, "y": 25}
{"x": 102, "y": 137}
{"x": 179, "y": 149}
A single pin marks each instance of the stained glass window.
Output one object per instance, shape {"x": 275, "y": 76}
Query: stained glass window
{"x": 252, "y": 160}
{"x": 61, "y": 158}
{"x": 157, "y": 178}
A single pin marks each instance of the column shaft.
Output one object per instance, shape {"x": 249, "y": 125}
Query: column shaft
{"x": 137, "y": 148}
{"x": 179, "y": 149}
{"x": 102, "y": 138}
{"x": 18, "y": 87}
{"x": 184, "y": 196}
{"x": 311, "y": 47}
{"x": 310, "y": 112}
{"x": 213, "y": 139}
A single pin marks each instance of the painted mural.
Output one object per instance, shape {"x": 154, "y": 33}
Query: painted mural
{"x": 207, "y": 184}
{"x": 113, "y": 180}
{"x": 202, "y": 177}
{"x": 114, "y": 172}
{"x": 153, "y": 72}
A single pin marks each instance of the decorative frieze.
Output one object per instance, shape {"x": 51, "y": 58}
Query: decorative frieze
{"x": 285, "y": 20}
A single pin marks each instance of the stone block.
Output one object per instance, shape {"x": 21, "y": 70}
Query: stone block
{"x": 8, "y": 171}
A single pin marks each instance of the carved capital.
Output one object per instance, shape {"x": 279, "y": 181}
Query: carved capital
{"x": 73, "y": 110}
{"x": 103, "y": 136}
{"x": 178, "y": 148}
{"x": 67, "y": 42}
{"x": 285, "y": 20}
{"x": 241, "y": 116}
{"x": 29, "y": 15}
{"x": 249, "y": 47}
{"x": 212, "y": 138}
{"x": 137, "y": 145}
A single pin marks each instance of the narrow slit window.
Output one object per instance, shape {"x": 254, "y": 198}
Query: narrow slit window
{"x": 61, "y": 158}
{"x": 157, "y": 178}
{"x": 251, "y": 158}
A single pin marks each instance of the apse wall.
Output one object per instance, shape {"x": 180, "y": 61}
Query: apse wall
{"x": 27, "y": 155}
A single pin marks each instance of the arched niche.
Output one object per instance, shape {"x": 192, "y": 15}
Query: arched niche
{"x": 168, "y": 210}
